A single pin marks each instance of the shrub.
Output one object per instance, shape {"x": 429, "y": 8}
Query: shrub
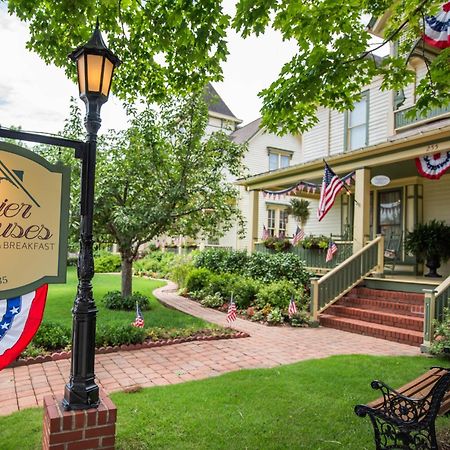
{"x": 198, "y": 279}
{"x": 221, "y": 260}
{"x": 277, "y": 295}
{"x": 278, "y": 266}
{"x": 244, "y": 291}
{"x": 212, "y": 301}
{"x": 52, "y": 336}
{"x": 221, "y": 284}
{"x": 156, "y": 264}
{"x": 110, "y": 335}
{"x": 107, "y": 263}
{"x": 72, "y": 260}
{"x": 181, "y": 267}
{"x": 114, "y": 300}
{"x": 301, "y": 318}
{"x": 441, "y": 343}
{"x": 275, "y": 317}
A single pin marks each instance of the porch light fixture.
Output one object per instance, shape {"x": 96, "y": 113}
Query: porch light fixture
{"x": 380, "y": 180}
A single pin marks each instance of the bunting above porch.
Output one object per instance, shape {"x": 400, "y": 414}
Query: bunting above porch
{"x": 302, "y": 186}
{"x": 433, "y": 166}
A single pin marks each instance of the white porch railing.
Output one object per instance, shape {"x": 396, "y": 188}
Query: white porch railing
{"x": 436, "y": 300}
{"x": 335, "y": 284}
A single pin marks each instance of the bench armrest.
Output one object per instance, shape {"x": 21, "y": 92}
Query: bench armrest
{"x": 395, "y": 406}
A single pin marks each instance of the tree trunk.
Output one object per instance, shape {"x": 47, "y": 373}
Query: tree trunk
{"x": 127, "y": 272}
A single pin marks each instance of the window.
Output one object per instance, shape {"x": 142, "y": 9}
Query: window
{"x": 356, "y": 124}
{"x": 278, "y": 159}
{"x": 277, "y": 220}
{"x": 271, "y": 222}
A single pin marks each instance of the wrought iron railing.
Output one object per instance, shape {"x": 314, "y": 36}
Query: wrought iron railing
{"x": 336, "y": 283}
{"x": 436, "y": 300}
{"x": 315, "y": 258}
{"x": 402, "y": 119}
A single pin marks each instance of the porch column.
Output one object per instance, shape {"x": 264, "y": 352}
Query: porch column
{"x": 361, "y": 224}
{"x": 253, "y": 218}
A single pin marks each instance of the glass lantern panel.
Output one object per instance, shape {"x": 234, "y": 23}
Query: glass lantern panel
{"x": 94, "y": 64}
{"x": 107, "y": 76}
{"x": 81, "y": 75}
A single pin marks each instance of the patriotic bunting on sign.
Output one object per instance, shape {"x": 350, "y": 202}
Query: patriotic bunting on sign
{"x": 331, "y": 186}
{"x": 20, "y": 318}
{"x": 433, "y": 166}
{"x": 437, "y": 28}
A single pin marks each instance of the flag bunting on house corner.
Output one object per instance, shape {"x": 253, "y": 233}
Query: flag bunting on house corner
{"x": 292, "y": 307}
{"x": 437, "y": 28}
{"x": 139, "y": 321}
{"x": 331, "y": 251}
{"x": 433, "y": 166}
{"x": 298, "y": 236}
{"x": 331, "y": 186}
{"x": 232, "y": 311}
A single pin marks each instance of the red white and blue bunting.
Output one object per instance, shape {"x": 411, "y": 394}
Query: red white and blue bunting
{"x": 433, "y": 166}
{"x": 302, "y": 186}
{"x": 20, "y": 318}
{"x": 437, "y": 28}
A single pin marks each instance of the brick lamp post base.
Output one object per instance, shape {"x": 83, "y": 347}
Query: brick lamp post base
{"x": 79, "y": 430}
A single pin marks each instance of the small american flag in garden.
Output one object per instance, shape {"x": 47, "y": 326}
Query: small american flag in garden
{"x": 139, "y": 321}
{"x": 232, "y": 311}
{"x": 265, "y": 234}
{"x": 298, "y": 236}
{"x": 282, "y": 234}
{"x": 332, "y": 250}
{"x": 292, "y": 307}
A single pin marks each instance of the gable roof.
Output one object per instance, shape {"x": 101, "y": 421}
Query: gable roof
{"x": 244, "y": 134}
{"x": 215, "y": 103}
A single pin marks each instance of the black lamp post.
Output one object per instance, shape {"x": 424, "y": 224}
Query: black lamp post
{"x": 95, "y": 67}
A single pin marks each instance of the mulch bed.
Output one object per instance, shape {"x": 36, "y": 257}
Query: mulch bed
{"x": 203, "y": 335}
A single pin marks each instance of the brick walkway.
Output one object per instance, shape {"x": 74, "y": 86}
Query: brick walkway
{"x": 24, "y": 387}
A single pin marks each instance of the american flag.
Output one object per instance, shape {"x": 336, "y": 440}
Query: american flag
{"x": 282, "y": 234}
{"x": 231, "y": 314}
{"x": 332, "y": 250}
{"x": 298, "y": 236}
{"x": 331, "y": 186}
{"x": 292, "y": 307}
{"x": 265, "y": 234}
{"x": 139, "y": 321}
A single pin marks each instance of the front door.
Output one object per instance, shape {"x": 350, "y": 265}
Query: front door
{"x": 390, "y": 214}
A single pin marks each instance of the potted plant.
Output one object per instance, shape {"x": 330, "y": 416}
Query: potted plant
{"x": 299, "y": 208}
{"x": 277, "y": 244}
{"x": 430, "y": 242}
{"x": 315, "y": 242}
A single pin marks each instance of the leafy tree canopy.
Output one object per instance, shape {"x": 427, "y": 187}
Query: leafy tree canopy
{"x": 332, "y": 65}
{"x": 166, "y": 46}
{"x": 162, "y": 175}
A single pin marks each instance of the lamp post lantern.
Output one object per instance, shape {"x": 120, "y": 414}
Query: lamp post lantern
{"x": 95, "y": 67}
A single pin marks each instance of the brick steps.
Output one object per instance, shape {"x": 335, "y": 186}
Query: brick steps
{"x": 370, "y": 329}
{"x": 384, "y": 318}
{"x": 391, "y": 315}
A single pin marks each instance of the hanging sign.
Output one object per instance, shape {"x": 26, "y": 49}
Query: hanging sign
{"x": 34, "y": 209}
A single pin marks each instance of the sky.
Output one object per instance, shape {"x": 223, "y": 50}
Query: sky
{"x": 36, "y": 96}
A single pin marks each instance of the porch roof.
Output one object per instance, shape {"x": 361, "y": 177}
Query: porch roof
{"x": 400, "y": 149}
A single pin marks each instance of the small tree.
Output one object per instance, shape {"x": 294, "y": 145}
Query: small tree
{"x": 299, "y": 208}
{"x": 164, "y": 176}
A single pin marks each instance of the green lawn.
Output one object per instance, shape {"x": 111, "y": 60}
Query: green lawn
{"x": 308, "y": 405}
{"x": 61, "y": 296}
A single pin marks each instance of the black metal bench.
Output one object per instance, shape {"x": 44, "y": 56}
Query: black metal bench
{"x": 405, "y": 418}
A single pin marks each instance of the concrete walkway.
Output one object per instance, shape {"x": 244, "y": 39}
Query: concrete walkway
{"x": 24, "y": 387}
